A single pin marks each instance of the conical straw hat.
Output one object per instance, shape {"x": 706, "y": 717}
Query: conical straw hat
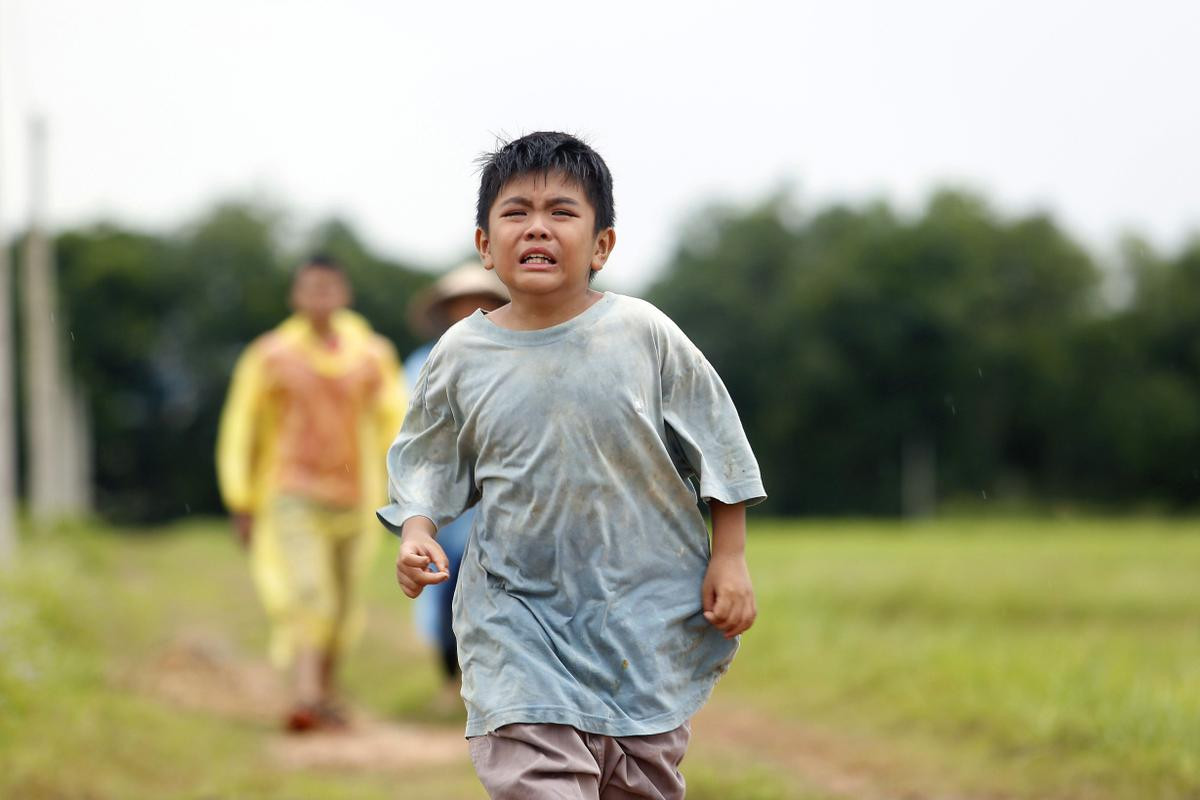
{"x": 425, "y": 310}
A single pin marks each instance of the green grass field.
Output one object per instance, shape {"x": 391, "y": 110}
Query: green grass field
{"x": 957, "y": 659}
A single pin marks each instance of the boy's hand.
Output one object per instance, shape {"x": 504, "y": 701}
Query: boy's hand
{"x": 243, "y": 528}
{"x": 418, "y": 549}
{"x": 727, "y": 596}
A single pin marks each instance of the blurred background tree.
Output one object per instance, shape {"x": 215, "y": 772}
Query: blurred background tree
{"x": 883, "y": 363}
{"x": 886, "y": 365}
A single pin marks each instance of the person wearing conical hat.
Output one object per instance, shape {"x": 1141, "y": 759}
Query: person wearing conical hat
{"x": 311, "y": 410}
{"x": 455, "y": 296}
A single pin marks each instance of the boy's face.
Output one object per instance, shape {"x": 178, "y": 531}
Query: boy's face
{"x": 542, "y": 238}
{"x": 317, "y": 293}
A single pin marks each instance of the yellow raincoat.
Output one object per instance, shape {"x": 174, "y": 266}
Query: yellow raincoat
{"x": 301, "y": 447}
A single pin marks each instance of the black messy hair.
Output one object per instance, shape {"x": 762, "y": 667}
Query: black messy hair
{"x": 541, "y": 153}
{"x": 322, "y": 261}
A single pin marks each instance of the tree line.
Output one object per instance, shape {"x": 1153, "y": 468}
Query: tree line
{"x": 891, "y": 364}
{"x": 882, "y": 363}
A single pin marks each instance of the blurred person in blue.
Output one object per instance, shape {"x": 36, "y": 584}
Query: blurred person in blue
{"x": 455, "y": 296}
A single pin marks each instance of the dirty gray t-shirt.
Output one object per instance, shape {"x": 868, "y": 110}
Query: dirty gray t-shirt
{"x": 578, "y": 598}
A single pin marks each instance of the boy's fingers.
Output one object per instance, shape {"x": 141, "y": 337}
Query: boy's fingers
{"x": 413, "y": 585}
{"x": 731, "y": 612}
{"x": 414, "y": 560}
{"x": 751, "y": 614}
{"x": 406, "y": 583}
{"x": 422, "y": 560}
{"x": 748, "y": 614}
{"x": 733, "y": 618}
{"x": 741, "y": 620}
{"x": 740, "y": 617}
{"x": 412, "y": 568}
{"x": 719, "y": 614}
{"x": 722, "y": 608}
{"x": 424, "y": 577}
{"x": 419, "y": 574}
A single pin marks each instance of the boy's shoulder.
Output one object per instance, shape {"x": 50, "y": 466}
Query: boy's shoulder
{"x": 627, "y": 315}
{"x": 265, "y": 345}
{"x": 457, "y": 335}
{"x": 635, "y": 315}
{"x": 447, "y": 354}
{"x": 643, "y": 317}
{"x": 636, "y": 307}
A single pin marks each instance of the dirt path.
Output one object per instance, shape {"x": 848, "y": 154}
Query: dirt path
{"x": 202, "y": 672}
{"x": 833, "y": 763}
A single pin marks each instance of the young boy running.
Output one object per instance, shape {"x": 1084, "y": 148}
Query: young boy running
{"x": 592, "y": 617}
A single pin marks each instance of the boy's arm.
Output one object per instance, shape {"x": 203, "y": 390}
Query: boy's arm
{"x": 726, "y": 594}
{"x": 236, "y": 440}
{"x": 419, "y": 549}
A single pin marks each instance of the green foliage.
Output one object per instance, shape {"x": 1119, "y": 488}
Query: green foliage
{"x": 1052, "y": 657}
{"x": 850, "y": 333}
{"x": 1141, "y": 368}
{"x": 847, "y": 335}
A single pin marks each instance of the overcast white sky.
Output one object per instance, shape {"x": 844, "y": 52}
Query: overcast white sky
{"x": 376, "y": 110}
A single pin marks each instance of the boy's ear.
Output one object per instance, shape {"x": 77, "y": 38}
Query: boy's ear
{"x": 606, "y": 240}
{"x": 484, "y": 246}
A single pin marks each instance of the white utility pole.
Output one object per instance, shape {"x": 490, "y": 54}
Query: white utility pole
{"x": 43, "y": 384}
{"x": 8, "y": 427}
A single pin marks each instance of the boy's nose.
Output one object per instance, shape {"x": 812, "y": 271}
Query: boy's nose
{"x": 536, "y": 230}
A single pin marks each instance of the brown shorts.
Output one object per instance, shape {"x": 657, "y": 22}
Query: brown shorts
{"x": 529, "y": 761}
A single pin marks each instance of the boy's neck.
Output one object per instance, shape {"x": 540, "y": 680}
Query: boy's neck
{"x": 533, "y": 312}
{"x": 324, "y": 330}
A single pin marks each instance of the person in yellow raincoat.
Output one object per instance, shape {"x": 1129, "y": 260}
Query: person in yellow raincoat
{"x": 312, "y": 408}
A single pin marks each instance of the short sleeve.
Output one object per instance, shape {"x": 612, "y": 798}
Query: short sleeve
{"x": 429, "y": 471}
{"x": 240, "y": 430}
{"x": 703, "y": 424}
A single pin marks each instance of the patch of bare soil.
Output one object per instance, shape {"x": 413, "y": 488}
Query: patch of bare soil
{"x": 202, "y": 672}
{"x": 370, "y": 745}
{"x": 837, "y": 764}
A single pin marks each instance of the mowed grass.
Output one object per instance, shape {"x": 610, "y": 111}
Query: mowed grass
{"x": 1014, "y": 658}
{"x": 1027, "y": 658}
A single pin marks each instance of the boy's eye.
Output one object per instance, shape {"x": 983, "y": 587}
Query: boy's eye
{"x": 564, "y": 213}
{"x": 516, "y": 213}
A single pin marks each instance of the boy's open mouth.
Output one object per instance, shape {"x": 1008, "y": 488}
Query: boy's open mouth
{"x": 537, "y": 257}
